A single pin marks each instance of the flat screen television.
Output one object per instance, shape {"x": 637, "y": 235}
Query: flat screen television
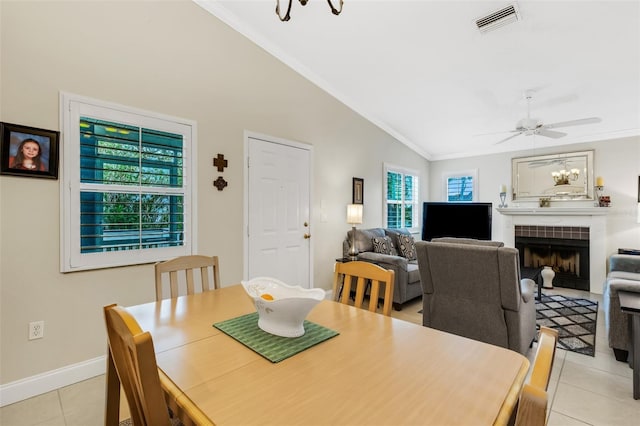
{"x": 462, "y": 220}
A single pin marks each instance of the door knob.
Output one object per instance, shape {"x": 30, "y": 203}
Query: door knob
{"x": 307, "y": 236}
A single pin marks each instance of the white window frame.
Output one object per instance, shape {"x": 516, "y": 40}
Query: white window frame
{"x": 453, "y": 175}
{"x": 416, "y": 204}
{"x": 71, "y": 108}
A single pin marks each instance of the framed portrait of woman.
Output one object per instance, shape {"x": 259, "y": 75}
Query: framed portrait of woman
{"x": 28, "y": 151}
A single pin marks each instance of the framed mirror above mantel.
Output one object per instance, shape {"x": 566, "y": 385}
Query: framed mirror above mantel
{"x": 565, "y": 176}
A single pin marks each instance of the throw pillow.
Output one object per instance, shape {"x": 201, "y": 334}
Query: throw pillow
{"x": 407, "y": 246}
{"x": 383, "y": 245}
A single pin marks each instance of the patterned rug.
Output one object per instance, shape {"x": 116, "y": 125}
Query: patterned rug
{"x": 575, "y": 320}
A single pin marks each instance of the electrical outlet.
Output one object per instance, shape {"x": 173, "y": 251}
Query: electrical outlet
{"x": 36, "y": 330}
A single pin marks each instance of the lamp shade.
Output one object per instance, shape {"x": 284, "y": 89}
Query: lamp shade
{"x": 354, "y": 214}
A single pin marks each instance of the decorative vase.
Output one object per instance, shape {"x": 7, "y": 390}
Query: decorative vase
{"x": 547, "y": 277}
{"x": 281, "y": 308}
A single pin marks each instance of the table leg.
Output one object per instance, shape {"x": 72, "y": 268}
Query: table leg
{"x": 539, "y": 286}
{"x": 112, "y": 390}
{"x": 634, "y": 354}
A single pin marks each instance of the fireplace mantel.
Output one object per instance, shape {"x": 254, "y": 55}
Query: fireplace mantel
{"x": 592, "y": 217}
{"x": 554, "y": 211}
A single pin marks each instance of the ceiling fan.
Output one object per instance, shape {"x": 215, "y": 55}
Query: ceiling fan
{"x": 533, "y": 126}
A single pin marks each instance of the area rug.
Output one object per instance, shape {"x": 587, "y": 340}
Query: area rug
{"x": 575, "y": 320}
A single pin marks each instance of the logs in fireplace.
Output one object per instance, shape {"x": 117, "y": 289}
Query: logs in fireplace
{"x": 564, "y": 248}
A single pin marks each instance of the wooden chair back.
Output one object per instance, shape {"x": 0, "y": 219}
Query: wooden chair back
{"x": 364, "y": 274}
{"x": 532, "y": 406}
{"x": 151, "y": 395}
{"x": 135, "y": 362}
{"x": 184, "y": 266}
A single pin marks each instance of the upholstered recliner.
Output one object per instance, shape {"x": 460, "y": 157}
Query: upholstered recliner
{"x": 624, "y": 274}
{"x": 473, "y": 289}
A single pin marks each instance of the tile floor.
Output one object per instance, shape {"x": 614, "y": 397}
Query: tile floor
{"x": 584, "y": 390}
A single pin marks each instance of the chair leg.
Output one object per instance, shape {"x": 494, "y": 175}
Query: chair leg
{"x": 620, "y": 354}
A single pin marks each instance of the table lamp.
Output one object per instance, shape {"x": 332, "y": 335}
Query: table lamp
{"x": 354, "y": 216}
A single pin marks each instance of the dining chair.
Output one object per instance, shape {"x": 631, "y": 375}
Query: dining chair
{"x": 368, "y": 276}
{"x": 532, "y": 406}
{"x": 185, "y": 266}
{"x": 151, "y": 395}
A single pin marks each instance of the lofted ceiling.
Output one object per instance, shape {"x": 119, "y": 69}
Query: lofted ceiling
{"x": 423, "y": 72}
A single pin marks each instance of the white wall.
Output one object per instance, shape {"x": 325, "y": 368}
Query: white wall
{"x": 617, "y": 161}
{"x": 176, "y": 59}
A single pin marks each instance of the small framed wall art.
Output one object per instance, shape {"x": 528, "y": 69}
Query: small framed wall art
{"x": 28, "y": 151}
{"x": 358, "y": 191}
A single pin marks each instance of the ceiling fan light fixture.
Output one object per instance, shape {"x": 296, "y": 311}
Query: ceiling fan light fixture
{"x": 528, "y": 124}
{"x": 532, "y": 126}
{"x": 498, "y": 18}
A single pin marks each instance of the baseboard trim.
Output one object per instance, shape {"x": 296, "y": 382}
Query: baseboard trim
{"x": 51, "y": 380}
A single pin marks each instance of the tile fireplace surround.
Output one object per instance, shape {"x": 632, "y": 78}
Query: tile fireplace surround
{"x": 593, "y": 218}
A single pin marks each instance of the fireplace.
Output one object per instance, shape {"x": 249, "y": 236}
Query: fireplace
{"x": 581, "y": 216}
{"x": 564, "y": 248}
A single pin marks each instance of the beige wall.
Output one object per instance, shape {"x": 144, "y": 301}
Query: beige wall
{"x": 616, "y": 160}
{"x": 175, "y": 59}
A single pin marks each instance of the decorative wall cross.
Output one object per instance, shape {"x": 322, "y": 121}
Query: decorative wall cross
{"x": 220, "y": 162}
{"x": 220, "y": 183}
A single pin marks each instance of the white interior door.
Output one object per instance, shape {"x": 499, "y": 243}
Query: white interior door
{"x": 278, "y": 212}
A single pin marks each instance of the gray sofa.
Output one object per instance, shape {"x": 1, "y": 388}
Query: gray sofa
{"x": 624, "y": 274}
{"x": 473, "y": 289}
{"x": 407, "y": 277}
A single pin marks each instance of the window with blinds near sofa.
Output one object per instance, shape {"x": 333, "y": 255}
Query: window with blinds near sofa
{"x": 401, "y": 196}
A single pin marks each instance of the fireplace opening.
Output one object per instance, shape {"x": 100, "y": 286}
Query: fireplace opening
{"x": 566, "y": 251}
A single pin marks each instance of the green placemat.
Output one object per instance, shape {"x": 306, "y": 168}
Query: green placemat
{"x": 274, "y": 348}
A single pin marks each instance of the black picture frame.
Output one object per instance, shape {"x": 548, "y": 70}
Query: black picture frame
{"x": 639, "y": 189}
{"x": 358, "y": 191}
{"x": 12, "y": 139}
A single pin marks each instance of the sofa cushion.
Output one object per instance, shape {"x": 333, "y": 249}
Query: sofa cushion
{"x": 406, "y": 246}
{"x": 414, "y": 272}
{"x": 364, "y": 238}
{"x": 384, "y": 245}
{"x": 624, "y": 275}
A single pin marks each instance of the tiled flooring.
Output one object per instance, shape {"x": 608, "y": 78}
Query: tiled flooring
{"x": 584, "y": 390}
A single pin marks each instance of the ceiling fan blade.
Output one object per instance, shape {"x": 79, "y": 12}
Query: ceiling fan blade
{"x": 506, "y": 139}
{"x": 578, "y": 122}
{"x": 549, "y": 133}
{"x": 497, "y": 133}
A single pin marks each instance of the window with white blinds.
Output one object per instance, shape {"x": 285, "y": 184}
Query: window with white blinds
{"x": 461, "y": 186}
{"x": 128, "y": 185}
{"x": 401, "y": 195}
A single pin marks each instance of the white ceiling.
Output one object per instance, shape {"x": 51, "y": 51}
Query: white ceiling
{"x": 423, "y": 72}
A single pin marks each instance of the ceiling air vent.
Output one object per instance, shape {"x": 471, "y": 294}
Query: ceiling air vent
{"x": 497, "y": 19}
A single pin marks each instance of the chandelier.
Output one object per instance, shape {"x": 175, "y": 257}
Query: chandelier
{"x": 287, "y": 15}
{"x": 563, "y": 177}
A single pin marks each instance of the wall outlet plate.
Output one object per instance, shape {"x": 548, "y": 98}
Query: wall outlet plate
{"x": 36, "y": 330}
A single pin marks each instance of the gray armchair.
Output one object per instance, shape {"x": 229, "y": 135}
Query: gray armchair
{"x": 624, "y": 274}
{"x": 473, "y": 289}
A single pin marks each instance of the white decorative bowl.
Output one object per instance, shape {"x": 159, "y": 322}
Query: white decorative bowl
{"x": 283, "y": 315}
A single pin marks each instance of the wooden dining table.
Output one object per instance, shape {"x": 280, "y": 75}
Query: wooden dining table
{"x": 378, "y": 371}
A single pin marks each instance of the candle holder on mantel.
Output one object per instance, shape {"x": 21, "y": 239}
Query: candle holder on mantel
{"x": 503, "y": 198}
{"x": 599, "y": 191}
